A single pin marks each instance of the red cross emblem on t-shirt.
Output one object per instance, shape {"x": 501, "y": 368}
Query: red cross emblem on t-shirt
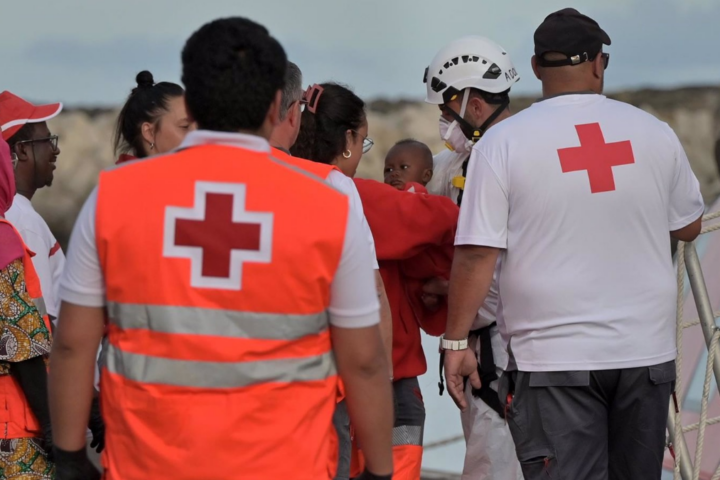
{"x": 596, "y": 156}
{"x": 218, "y": 235}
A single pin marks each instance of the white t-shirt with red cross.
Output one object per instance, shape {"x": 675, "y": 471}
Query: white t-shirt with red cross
{"x": 581, "y": 192}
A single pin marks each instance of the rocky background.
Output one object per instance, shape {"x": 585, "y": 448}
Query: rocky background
{"x": 86, "y": 142}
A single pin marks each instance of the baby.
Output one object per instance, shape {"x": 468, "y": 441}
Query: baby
{"x": 408, "y": 161}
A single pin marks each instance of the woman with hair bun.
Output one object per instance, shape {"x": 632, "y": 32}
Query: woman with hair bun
{"x": 153, "y": 121}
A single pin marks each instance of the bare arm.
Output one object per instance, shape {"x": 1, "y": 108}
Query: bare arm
{"x": 79, "y": 332}
{"x": 689, "y": 232}
{"x": 363, "y": 368}
{"x": 470, "y": 281}
{"x": 386, "y": 322}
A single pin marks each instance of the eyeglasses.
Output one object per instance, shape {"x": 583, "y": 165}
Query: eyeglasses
{"x": 302, "y": 102}
{"x": 367, "y": 142}
{"x": 606, "y": 59}
{"x": 52, "y": 140}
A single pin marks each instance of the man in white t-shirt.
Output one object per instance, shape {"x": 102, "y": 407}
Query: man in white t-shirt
{"x": 282, "y": 139}
{"x": 578, "y": 195}
{"x": 470, "y": 79}
{"x": 35, "y": 151}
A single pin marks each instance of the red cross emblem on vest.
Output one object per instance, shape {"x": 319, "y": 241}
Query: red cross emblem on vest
{"x": 596, "y": 156}
{"x": 218, "y": 235}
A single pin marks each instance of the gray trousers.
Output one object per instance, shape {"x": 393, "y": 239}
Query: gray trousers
{"x": 590, "y": 425}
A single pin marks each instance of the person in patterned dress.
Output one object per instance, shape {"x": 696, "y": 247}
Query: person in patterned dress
{"x": 24, "y": 348}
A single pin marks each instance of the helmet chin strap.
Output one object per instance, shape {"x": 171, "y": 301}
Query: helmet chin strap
{"x": 465, "y": 126}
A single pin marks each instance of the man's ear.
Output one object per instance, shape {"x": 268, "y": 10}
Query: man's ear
{"x": 273, "y": 115}
{"x": 535, "y": 69}
{"x": 598, "y": 66}
{"x": 294, "y": 115}
{"x": 21, "y": 152}
{"x": 477, "y": 106}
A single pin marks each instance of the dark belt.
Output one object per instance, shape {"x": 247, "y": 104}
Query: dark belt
{"x": 486, "y": 369}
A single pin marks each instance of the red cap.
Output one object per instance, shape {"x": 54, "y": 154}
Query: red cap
{"x": 16, "y": 112}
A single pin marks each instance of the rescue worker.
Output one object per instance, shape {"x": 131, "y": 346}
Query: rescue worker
{"x": 230, "y": 296}
{"x": 591, "y": 334}
{"x": 153, "y": 120}
{"x": 470, "y": 79}
{"x": 281, "y": 140}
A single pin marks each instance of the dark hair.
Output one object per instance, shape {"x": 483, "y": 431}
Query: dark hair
{"x": 427, "y": 155}
{"x": 492, "y": 98}
{"x": 146, "y": 103}
{"x": 322, "y": 134}
{"x": 292, "y": 91}
{"x": 26, "y": 132}
{"x": 232, "y": 70}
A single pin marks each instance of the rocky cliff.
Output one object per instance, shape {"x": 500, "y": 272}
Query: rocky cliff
{"x": 86, "y": 138}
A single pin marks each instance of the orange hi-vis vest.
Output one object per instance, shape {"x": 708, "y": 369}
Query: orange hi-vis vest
{"x": 218, "y": 263}
{"x": 16, "y": 418}
{"x": 321, "y": 170}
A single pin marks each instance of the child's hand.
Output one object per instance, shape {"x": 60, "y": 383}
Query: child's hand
{"x": 436, "y": 286}
{"x": 431, "y": 301}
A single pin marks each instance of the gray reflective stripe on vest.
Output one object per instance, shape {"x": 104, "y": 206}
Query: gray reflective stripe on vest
{"x": 408, "y": 435}
{"x": 188, "y": 373}
{"x": 40, "y": 305}
{"x": 222, "y": 323}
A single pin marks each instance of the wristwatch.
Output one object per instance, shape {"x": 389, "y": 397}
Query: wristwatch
{"x": 453, "y": 344}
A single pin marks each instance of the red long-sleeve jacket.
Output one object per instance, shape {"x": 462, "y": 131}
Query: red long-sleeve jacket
{"x": 414, "y": 235}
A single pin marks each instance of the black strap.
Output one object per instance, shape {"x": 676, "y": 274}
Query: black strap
{"x": 464, "y": 174}
{"x": 441, "y": 383}
{"x": 477, "y": 134}
{"x": 487, "y": 371}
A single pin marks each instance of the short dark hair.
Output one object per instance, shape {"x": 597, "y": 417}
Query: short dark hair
{"x": 292, "y": 91}
{"x": 232, "y": 70}
{"x": 427, "y": 155}
{"x": 26, "y": 132}
{"x": 146, "y": 103}
{"x": 322, "y": 134}
{"x": 492, "y": 98}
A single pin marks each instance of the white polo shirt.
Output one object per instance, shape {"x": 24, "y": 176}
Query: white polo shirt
{"x": 353, "y": 302}
{"x": 582, "y": 192}
{"x": 49, "y": 259}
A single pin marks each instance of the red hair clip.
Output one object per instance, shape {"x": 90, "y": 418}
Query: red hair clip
{"x": 311, "y": 97}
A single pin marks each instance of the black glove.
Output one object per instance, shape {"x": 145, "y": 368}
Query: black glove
{"x": 97, "y": 426}
{"x": 32, "y": 376}
{"x": 74, "y": 466}
{"x": 368, "y": 475}
{"x": 46, "y": 442}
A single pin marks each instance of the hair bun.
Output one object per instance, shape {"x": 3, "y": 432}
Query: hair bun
{"x": 144, "y": 79}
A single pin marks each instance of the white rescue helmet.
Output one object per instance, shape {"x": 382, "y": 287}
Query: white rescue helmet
{"x": 471, "y": 61}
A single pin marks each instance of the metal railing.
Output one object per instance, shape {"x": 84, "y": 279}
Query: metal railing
{"x": 687, "y": 466}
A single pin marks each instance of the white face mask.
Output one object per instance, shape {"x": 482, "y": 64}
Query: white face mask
{"x": 453, "y": 135}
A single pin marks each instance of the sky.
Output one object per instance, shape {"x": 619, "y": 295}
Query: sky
{"x": 87, "y": 52}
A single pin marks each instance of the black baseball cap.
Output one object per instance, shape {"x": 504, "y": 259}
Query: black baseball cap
{"x": 569, "y": 32}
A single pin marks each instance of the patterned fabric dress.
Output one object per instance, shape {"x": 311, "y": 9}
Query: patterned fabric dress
{"x": 23, "y": 336}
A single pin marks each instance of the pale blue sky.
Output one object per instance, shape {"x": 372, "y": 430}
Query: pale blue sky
{"x": 88, "y": 51}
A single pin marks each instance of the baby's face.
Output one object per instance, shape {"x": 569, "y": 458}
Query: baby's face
{"x": 402, "y": 165}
